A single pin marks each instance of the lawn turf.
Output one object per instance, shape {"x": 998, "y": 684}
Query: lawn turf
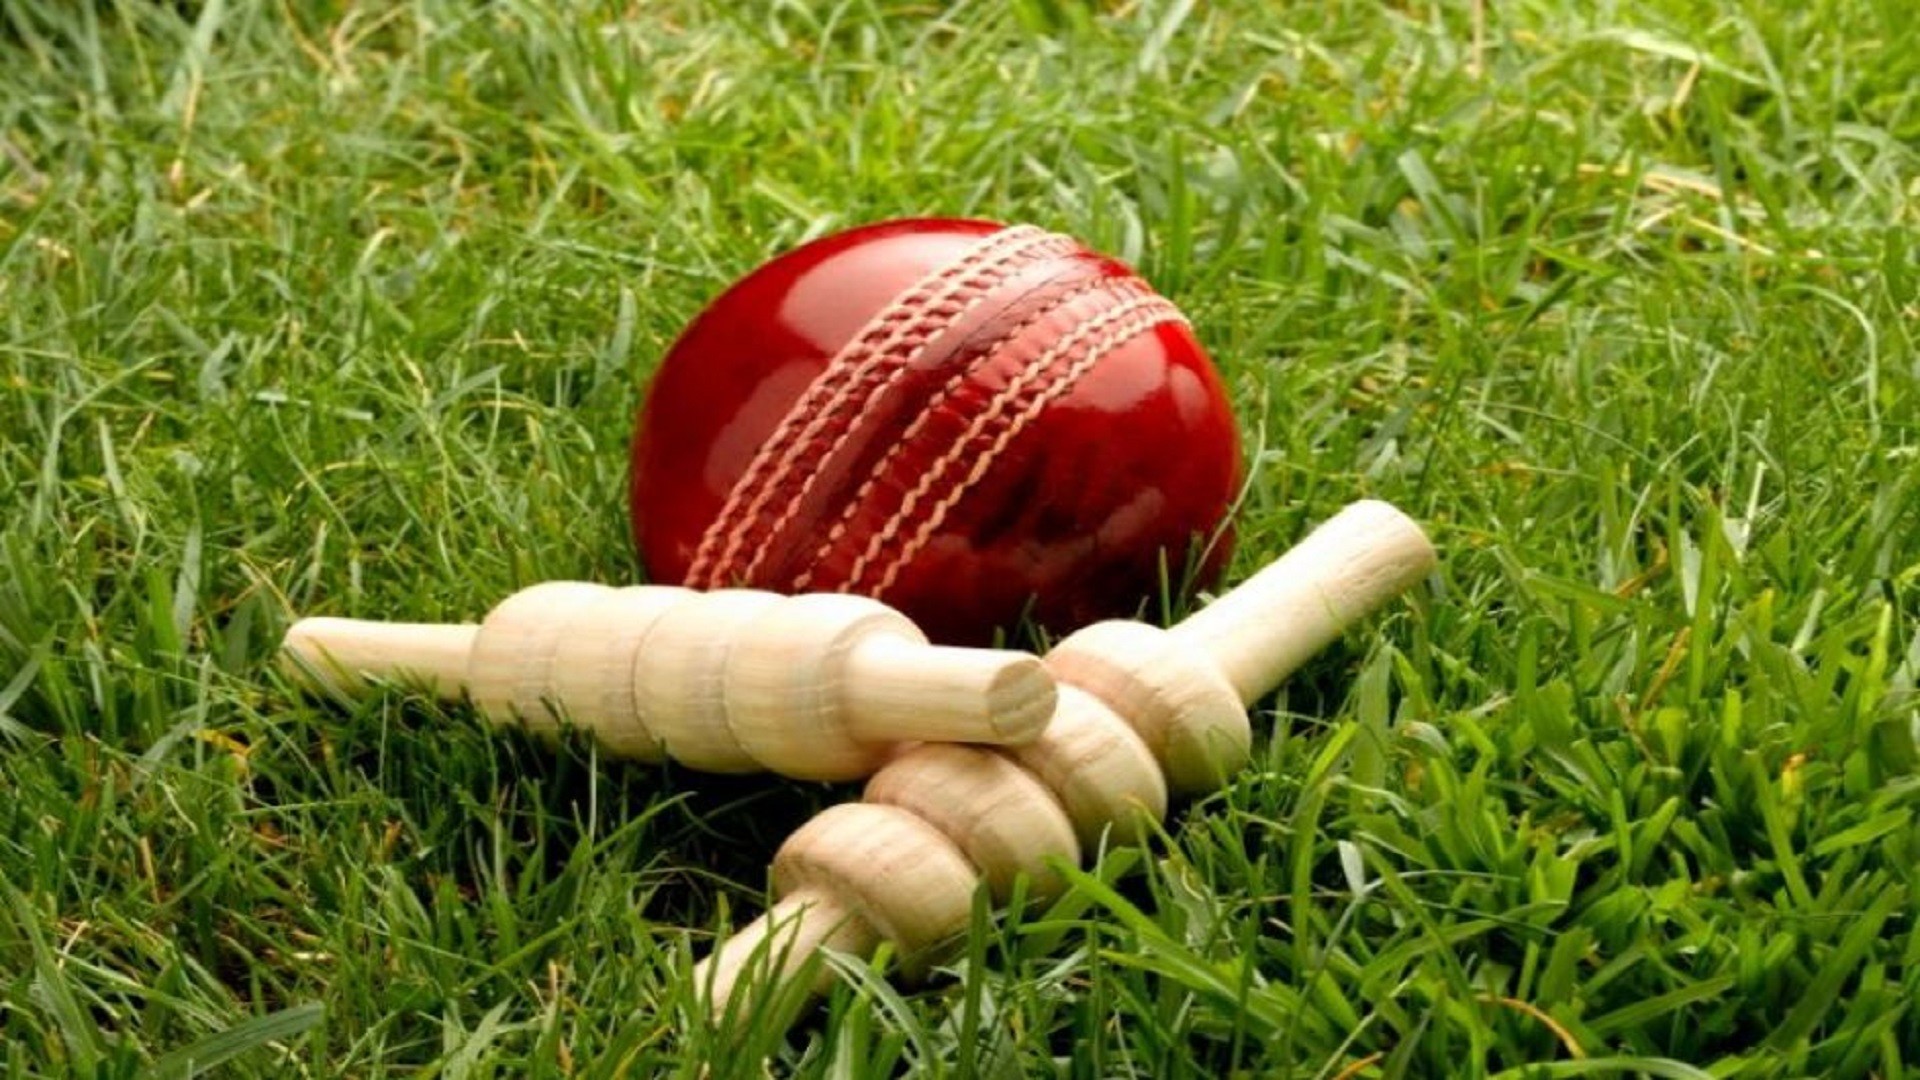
{"x": 345, "y": 308}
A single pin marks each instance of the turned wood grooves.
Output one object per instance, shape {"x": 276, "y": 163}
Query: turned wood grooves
{"x": 1141, "y": 713}
{"x": 817, "y": 687}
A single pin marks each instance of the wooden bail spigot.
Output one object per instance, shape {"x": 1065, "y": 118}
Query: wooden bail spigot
{"x": 1141, "y": 712}
{"x": 816, "y": 687}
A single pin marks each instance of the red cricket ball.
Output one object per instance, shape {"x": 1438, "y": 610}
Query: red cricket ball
{"x": 970, "y": 421}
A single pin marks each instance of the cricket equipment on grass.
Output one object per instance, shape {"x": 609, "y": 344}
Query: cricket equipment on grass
{"x": 976, "y": 423}
{"x": 816, "y": 687}
{"x": 1143, "y": 712}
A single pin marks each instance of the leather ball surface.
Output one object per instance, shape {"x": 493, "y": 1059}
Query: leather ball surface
{"x": 973, "y": 422}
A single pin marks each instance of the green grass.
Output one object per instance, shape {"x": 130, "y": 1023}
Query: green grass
{"x": 345, "y": 308}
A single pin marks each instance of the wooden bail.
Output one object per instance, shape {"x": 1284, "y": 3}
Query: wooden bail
{"x": 819, "y": 686}
{"x": 899, "y": 689}
{"x": 1268, "y": 625}
{"x": 855, "y": 875}
{"x": 344, "y": 658}
{"x": 774, "y": 949}
{"x": 1141, "y": 711}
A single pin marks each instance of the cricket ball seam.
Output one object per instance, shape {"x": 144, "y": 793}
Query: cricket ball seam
{"x": 753, "y": 488}
{"x": 826, "y": 399}
{"x": 751, "y": 491}
{"x": 920, "y": 421}
{"x": 862, "y": 384}
{"x": 1120, "y": 324}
